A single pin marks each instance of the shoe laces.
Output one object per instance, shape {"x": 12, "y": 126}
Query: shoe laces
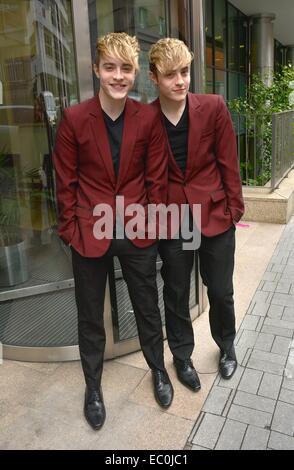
{"x": 184, "y": 363}
{"x": 160, "y": 375}
{"x": 95, "y": 395}
{"x": 188, "y": 363}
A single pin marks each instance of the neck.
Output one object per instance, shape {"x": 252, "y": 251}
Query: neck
{"x": 169, "y": 107}
{"x": 113, "y": 108}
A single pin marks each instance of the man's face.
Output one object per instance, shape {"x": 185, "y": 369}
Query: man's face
{"x": 174, "y": 84}
{"x": 116, "y": 77}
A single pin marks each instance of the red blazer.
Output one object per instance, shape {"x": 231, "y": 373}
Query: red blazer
{"x": 85, "y": 174}
{"x": 212, "y": 176}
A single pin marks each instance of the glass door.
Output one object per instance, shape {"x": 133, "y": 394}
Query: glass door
{"x": 37, "y": 80}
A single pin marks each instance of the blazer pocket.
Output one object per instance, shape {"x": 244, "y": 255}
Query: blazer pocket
{"x": 83, "y": 212}
{"x": 218, "y": 195}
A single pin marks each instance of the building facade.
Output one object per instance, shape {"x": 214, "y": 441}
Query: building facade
{"x": 47, "y": 48}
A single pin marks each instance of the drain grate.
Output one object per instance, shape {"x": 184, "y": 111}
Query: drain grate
{"x": 45, "y": 320}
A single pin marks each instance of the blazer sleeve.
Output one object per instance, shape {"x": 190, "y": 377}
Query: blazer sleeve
{"x": 65, "y": 159}
{"x": 227, "y": 159}
{"x": 156, "y": 168}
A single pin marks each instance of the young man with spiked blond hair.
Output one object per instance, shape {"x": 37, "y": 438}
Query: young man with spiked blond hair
{"x": 203, "y": 169}
{"x": 108, "y": 147}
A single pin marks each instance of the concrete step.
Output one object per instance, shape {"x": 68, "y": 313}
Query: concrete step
{"x": 276, "y": 207}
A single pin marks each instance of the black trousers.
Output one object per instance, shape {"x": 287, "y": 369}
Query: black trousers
{"x": 176, "y": 274}
{"x": 216, "y": 257}
{"x": 139, "y": 271}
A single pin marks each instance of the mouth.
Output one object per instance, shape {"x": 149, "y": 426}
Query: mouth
{"x": 117, "y": 86}
{"x": 180, "y": 90}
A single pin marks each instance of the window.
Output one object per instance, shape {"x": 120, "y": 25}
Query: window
{"x": 226, "y": 49}
{"x": 149, "y": 20}
{"x": 209, "y": 33}
{"x": 53, "y": 15}
{"x": 233, "y": 85}
{"x": 209, "y": 80}
{"x": 57, "y": 53}
{"x": 280, "y": 53}
{"x": 243, "y": 43}
{"x": 233, "y": 39}
{"x": 219, "y": 18}
{"x": 33, "y": 93}
{"x": 48, "y": 39}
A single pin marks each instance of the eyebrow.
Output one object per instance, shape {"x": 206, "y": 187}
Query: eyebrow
{"x": 181, "y": 70}
{"x": 112, "y": 63}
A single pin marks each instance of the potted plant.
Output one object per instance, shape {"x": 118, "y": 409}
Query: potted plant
{"x": 13, "y": 259}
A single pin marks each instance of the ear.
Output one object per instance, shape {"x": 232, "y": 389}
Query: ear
{"x": 96, "y": 71}
{"x": 153, "y": 77}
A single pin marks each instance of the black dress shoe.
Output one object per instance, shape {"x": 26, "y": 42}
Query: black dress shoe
{"x": 163, "y": 389}
{"x": 94, "y": 409}
{"x": 227, "y": 365}
{"x": 187, "y": 374}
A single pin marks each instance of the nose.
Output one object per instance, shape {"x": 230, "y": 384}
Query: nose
{"x": 118, "y": 74}
{"x": 179, "y": 80}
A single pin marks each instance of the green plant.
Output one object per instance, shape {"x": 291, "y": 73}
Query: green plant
{"x": 256, "y": 110}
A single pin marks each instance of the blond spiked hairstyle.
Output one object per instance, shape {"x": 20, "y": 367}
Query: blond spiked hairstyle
{"x": 169, "y": 54}
{"x": 119, "y": 45}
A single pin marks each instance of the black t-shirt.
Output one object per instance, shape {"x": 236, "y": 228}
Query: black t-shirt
{"x": 178, "y": 138}
{"x": 115, "y": 133}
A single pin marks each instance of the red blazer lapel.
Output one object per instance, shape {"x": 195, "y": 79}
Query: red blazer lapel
{"x": 195, "y": 131}
{"x": 131, "y": 124}
{"x": 171, "y": 159}
{"x": 99, "y": 132}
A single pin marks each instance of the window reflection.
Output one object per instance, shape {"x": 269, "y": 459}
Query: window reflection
{"x": 233, "y": 82}
{"x": 226, "y": 48}
{"x": 279, "y": 55}
{"x": 209, "y": 32}
{"x": 220, "y": 83}
{"x": 233, "y": 38}
{"x": 220, "y": 33}
{"x": 149, "y": 20}
{"x": 243, "y": 43}
{"x": 37, "y": 71}
{"x": 209, "y": 80}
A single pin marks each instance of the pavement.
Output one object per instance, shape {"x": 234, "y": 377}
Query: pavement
{"x": 41, "y": 404}
{"x": 255, "y": 409}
